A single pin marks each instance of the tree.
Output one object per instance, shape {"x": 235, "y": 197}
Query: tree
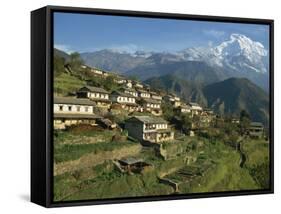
{"x": 245, "y": 121}
{"x": 58, "y": 65}
{"x": 75, "y": 61}
{"x": 186, "y": 122}
{"x": 168, "y": 111}
{"x": 109, "y": 83}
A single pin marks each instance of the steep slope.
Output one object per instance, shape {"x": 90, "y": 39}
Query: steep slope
{"x": 235, "y": 94}
{"x": 183, "y": 88}
{"x": 62, "y": 54}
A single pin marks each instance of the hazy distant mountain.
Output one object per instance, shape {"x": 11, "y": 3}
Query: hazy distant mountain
{"x": 227, "y": 97}
{"x": 237, "y": 57}
{"x": 195, "y": 71}
{"x": 187, "y": 90}
{"x": 235, "y": 94}
{"x": 111, "y": 60}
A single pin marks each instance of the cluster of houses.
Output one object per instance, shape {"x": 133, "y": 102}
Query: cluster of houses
{"x": 91, "y": 103}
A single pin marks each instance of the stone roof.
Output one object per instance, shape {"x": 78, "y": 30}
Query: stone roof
{"x": 75, "y": 116}
{"x": 128, "y": 89}
{"x": 142, "y": 91}
{"x": 73, "y": 100}
{"x": 256, "y": 124}
{"x": 130, "y": 160}
{"x": 119, "y": 93}
{"x": 153, "y": 101}
{"x": 93, "y": 89}
{"x": 148, "y": 119}
{"x": 184, "y": 107}
{"x": 194, "y": 104}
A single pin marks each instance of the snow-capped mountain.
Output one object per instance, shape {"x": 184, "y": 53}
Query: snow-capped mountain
{"x": 239, "y": 53}
{"x": 238, "y": 56}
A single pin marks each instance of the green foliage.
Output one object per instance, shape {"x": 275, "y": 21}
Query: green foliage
{"x": 66, "y": 83}
{"x": 59, "y": 63}
{"x": 257, "y": 162}
{"x": 168, "y": 111}
{"x": 75, "y": 61}
{"x": 245, "y": 121}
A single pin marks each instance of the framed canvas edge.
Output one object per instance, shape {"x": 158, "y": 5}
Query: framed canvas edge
{"x": 49, "y": 99}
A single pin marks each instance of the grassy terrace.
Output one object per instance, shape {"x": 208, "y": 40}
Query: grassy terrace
{"x": 88, "y": 171}
{"x": 257, "y": 163}
{"x": 71, "y": 146}
{"x": 66, "y": 83}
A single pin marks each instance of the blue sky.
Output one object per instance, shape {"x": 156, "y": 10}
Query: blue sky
{"x": 87, "y": 33}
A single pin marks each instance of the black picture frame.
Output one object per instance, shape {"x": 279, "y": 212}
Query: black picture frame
{"x": 42, "y": 102}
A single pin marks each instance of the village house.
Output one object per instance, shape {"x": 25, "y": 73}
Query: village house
{"x": 196, "y": 109}
{"x": 98, "y": 95}
{"x": 99, "y": 72}
{"x": 143, "y": 93}
{"x": 129, "y": 91}
{"x": 72, "y": 111}
{"x": 152, "y": 106}
{"x": 155, "y": 96}
{"x": 183, "y": 109}
{"x": 146, "y": 128}
{"x": 127, "y": 101}
{"x": 173, "y": 99}
{"x": 256, "y": 130}
{"x": 120, "y": 80}
{"x": 137, "y": 84}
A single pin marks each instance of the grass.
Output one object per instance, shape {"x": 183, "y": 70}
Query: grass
{"x": 66, "y": 152}
{"x": 116, "y": 185}
{"x": 257, "y": 163}
{"x": 65, "y": 83}
{"x": 72, "y": 146}
{"x": 216, "y": 168}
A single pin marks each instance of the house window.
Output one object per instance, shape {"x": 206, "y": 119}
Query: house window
{"x": 69, "y": 108}
{"x": 78, "y": 108}
{"x": 61, "y": 108}
{"x": 86, "y": 108}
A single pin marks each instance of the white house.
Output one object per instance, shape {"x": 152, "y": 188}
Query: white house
{"x": 155, "y": 96}
{"x": 143, "y": 93}
{"x": 71, "y": 111}
{"x": 127, "y": 101}
{"x": 146, "y": 128}
{"x": 152, "y": 106}
{"x": 183, "y": 109}
{"x": 173, "y": 99}
{"x": 196, "y": 109}
{"x": 130, "y": 91}
{"x": 98, "y": 95}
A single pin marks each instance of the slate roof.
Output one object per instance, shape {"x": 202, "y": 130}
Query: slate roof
{"x": 148, "y": 119}
{"x": 93, "y": 89}
{"x": 119, "y": 93}
{"x": 153, "y": 101}
{"x": 256, "y": 124}
{"x": 75, "y": 116}
{"x": 72, "y": 100}
{"x": 194, "y": 104}
{"x": 130, "y": 160}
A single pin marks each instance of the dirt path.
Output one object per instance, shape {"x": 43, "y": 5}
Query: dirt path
{"x": 92, "y": 159}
